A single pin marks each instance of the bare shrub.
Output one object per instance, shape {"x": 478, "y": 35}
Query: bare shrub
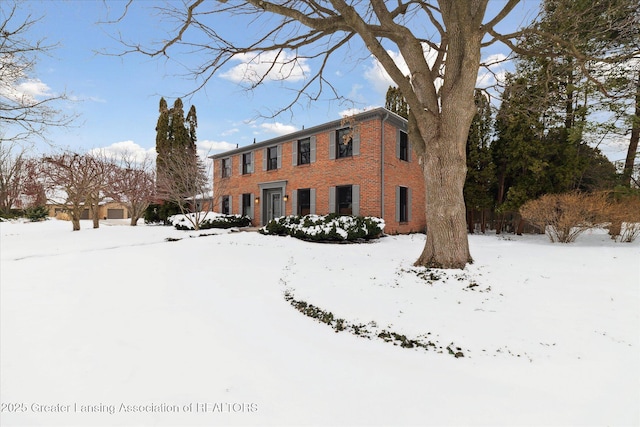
{"x": 563, "y": 217}
{"x": 624, "y": 217}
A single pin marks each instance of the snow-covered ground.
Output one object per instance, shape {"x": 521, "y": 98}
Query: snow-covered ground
{"x": 118, "y": 326}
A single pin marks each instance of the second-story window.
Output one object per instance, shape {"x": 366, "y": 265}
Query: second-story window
{"x": 247, "y": 163}
{"x": 404, "y": 147}
{"x": 344, "y": 143}
{"x": 304, "y": 151}
{"x": 226, "y": 167}
{"x": 272, "y": 158}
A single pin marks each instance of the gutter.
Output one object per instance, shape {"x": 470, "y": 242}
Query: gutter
{"x": 382, "y": 122}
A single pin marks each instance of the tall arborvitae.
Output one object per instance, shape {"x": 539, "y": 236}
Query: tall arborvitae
{"x": 162, "y": 141}
{"x": 192, "y": 122}
{"x": 480, "y": 169}
{"x": 396, "y": 103}
{"x": 176, "y": 148}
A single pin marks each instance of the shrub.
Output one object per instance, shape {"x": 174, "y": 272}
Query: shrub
{"x": 211, "y": 220}
{"x": 328, "y": 228}
{"x": 563, "y": 217}
{"x": 36, "y": 213}
{"x": 160, "y": 213}
{"x": 624, "y": 215}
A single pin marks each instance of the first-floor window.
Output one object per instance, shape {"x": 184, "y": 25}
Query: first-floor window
{"x": 304, "y": 201}
{"x": 246, "y": 205}
{"x": 344, "y": 200}
{"x": 226, "y": 205}
{"x": 403, "y": 208}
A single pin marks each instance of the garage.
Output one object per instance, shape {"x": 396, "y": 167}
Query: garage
{"x": 115, "y": 213}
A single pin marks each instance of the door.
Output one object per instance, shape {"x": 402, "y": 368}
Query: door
{"x": 274, "y": 204}
{"x": 115, "y": 213}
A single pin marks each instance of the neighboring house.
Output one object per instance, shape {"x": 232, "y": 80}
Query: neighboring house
{"x": 370, "y": 172}
{"x": 106, "y": 210}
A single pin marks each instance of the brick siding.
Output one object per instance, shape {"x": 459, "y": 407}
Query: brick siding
{"x": 364, "y": 169}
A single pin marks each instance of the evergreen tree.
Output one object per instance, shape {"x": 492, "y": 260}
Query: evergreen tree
{"x": 396, "y": 103}
{"x": 480, "y": 168}
{"x": 180, "y": 174}
{"x": 576, "y": 87}
{"x": 162, "y": 142}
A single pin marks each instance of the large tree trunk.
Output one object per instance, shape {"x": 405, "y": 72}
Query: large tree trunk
{"x": 447, "y": 243}
{"x": 443, "y": 128}
{"x": 633, "y": 141}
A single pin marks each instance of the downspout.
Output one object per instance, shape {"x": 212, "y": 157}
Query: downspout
{"x": 382, "y": 164}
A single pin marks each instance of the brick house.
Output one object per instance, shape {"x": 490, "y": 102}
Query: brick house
{"x": 366, "y": 167}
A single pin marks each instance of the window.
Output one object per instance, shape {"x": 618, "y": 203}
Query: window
{"x": 403, "y": 204}
{"x": 404, "y": 147}
{"x": 304, "y": 201}
{"x": 272, "y": 158}
{"x": 226, "y": 205}
{"x": 344, "y": 143}
{"x": 247, "y": 163}
{"x": 304, "y": 151}
{"x": 226, "y": 167}
{"x": 343, "y": 200}
{"x": 246, "y": 205}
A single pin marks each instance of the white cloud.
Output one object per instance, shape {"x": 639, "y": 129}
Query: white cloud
{"x": 353, "y": 111}
{"x": 278, "y": 128}
{"x": 208, "y": 148}
{"x": 126, "y": 148}
{"x": 276, "y": 67}
{"x": 380, "y": 79}
{"x": 27, "y": 91}
{"x": 34, "y": 88}
{"x": 494, "y": 70}
{"x": 230, "y": 132}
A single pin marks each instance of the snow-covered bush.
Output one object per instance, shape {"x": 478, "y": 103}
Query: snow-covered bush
{"x": 210, "y": 220}
{"x": 330, "y": 227}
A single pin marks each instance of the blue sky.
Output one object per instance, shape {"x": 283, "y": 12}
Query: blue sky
{"x": 117, "y": 98}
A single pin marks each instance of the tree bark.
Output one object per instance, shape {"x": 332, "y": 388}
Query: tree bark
{"x": 95, "y": 211}
{"x": 75, "y": 222}
{"x": 633, "y": 141}
{"x": 447, "y": 244}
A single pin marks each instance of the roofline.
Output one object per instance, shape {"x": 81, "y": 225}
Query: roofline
{"x": 300, "y": 134}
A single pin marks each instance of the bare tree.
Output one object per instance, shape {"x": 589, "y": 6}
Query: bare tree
{"x": 184, "y": 183}
{"x": 12, "y": 174}
{"x": 439, "y": 92}
{"x": 72, "y": 178}
{"x": 101, "y": 168}
{"x": 24, "y": 113}
{"x": 132, "y": 183}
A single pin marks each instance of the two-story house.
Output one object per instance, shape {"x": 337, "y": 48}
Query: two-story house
{"x": 365, "y": 167}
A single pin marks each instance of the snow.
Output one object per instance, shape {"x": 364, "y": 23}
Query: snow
{"x": 129, "y": 326}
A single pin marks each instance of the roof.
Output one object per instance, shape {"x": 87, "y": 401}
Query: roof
{"x": 376, "y": 112}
